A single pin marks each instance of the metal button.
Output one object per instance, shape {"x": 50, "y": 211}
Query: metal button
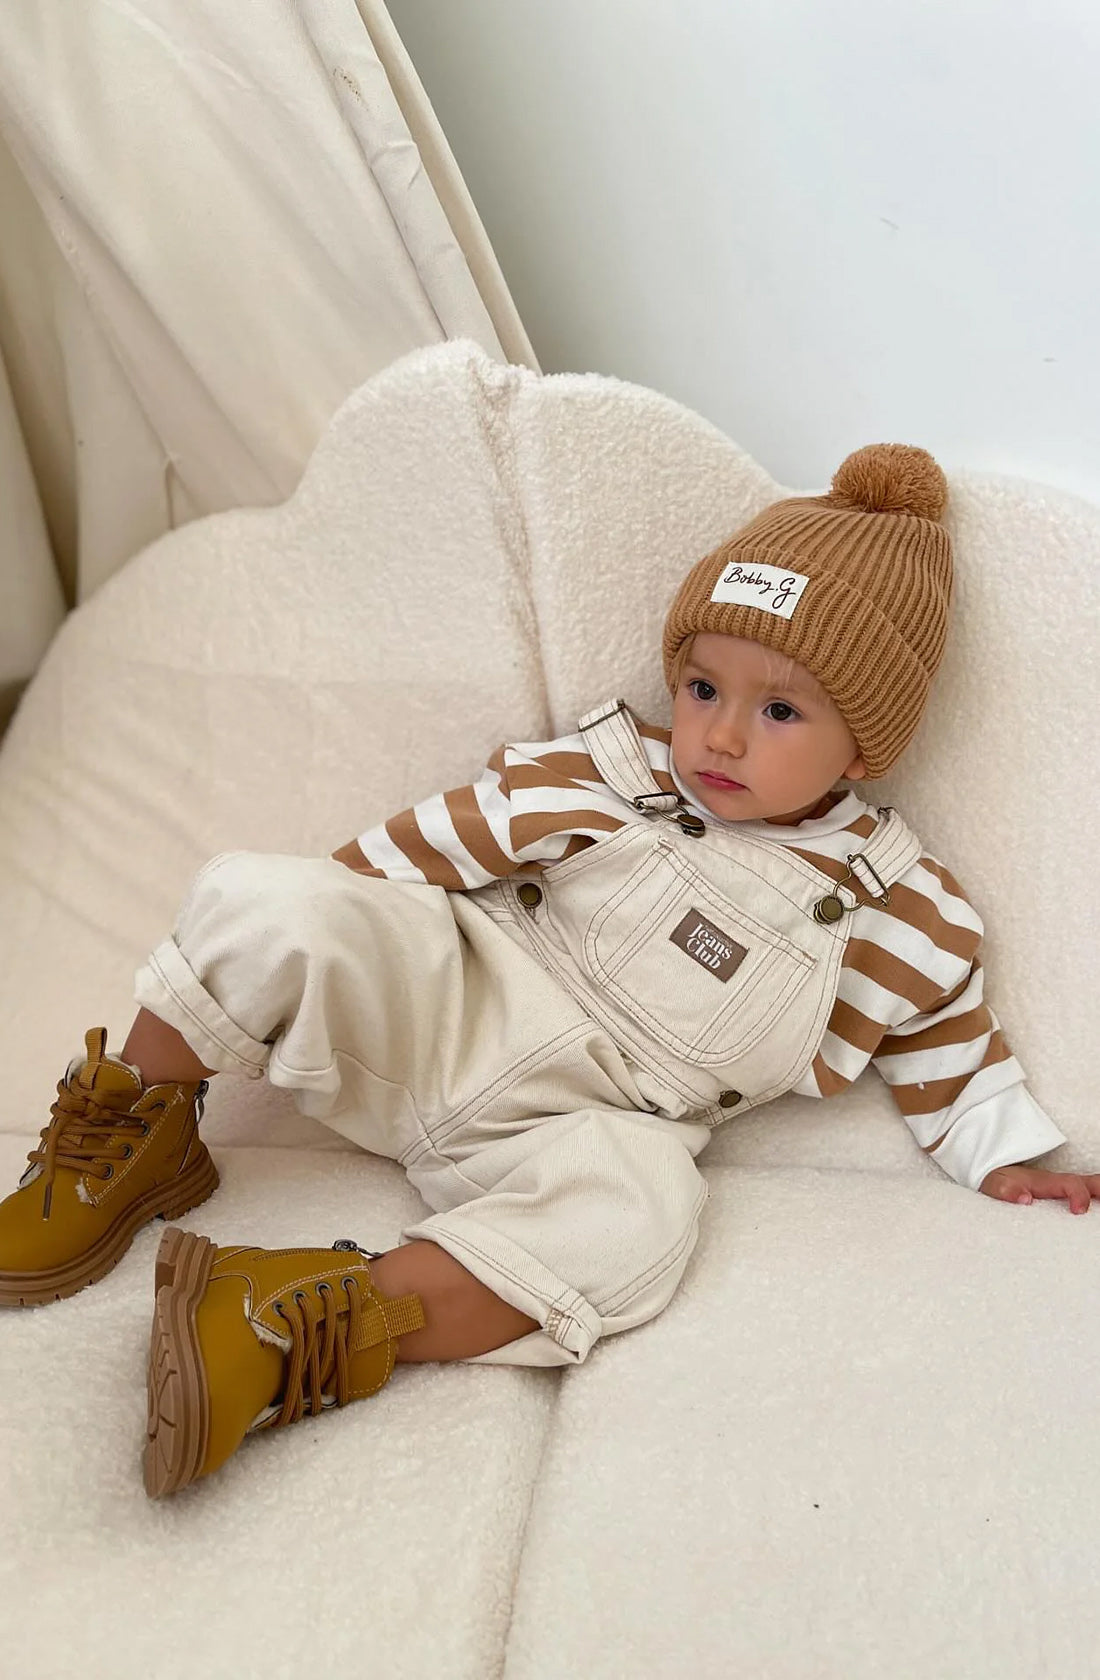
{"x": 729, "y": 1099}
{"x": 529, "y": 895}
{"x": 828, "y": 909}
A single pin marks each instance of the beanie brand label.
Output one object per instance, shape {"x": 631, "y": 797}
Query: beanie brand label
{"x": 708, "y": 946}
{"x": 770, "y": 588}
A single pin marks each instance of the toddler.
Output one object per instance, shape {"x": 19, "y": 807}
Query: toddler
{"x": 541, "y": 992}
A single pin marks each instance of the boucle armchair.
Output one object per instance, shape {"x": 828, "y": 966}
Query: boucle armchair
{"x": 860, "y": 1441}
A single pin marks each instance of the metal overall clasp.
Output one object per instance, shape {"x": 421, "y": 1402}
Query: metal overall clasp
{"x": 832, "y": 907}
{"x": 688, "y": 821}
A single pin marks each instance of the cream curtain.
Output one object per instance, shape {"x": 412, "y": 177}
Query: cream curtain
{"x": 215, "y": 222}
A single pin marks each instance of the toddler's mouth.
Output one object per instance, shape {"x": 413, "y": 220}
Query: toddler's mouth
{"x": 715, "y": 780}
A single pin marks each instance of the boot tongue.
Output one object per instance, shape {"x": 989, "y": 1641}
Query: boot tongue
{"x": 102, "y": 1073}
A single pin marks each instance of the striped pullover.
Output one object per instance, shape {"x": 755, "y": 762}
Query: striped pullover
{"x": 909, "y": 997}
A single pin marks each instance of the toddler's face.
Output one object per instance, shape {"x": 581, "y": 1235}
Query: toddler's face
{"x": 785, "y": 743}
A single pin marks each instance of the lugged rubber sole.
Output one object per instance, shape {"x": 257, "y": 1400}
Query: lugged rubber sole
{"x": 164, "y": 1201}
{"x": 179, "y": 1402}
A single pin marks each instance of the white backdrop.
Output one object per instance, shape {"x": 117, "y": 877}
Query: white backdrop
{"x": 818, "y": 225}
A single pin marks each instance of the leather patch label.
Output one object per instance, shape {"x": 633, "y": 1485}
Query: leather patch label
{"x": 708, "y": 946}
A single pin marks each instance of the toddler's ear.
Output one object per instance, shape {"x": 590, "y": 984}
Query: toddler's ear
{"x": 856, "y": 771}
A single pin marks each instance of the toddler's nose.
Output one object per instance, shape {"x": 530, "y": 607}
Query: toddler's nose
{"x": 726, "y": 736}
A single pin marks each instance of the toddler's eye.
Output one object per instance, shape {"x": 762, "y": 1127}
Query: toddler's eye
{"x": 783, "y": 707}
{"x": 697, "y": 684}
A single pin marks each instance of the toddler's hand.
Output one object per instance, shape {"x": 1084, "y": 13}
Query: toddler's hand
{"x": 1023, "y": 1184}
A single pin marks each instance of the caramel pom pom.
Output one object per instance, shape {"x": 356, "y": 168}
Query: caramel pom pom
{"x": 891, "y": 478}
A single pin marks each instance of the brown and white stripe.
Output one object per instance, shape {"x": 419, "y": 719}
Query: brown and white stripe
{"x": 910, "y": 994}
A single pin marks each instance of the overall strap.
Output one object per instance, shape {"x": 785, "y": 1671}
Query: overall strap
{"x": 891, "y": 850}
{"x": 883, "y": 859}
{"x": 612, "y": 738}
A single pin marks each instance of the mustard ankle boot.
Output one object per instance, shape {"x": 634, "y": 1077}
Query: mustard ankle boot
{"x": 252, "y": 1338}
{"x": 114, "y": 1155}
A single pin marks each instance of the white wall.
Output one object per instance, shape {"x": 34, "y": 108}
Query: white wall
{"x": 818, "y": 224}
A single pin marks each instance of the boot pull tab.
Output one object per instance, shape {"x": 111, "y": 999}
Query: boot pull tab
{"x": 95, "y": 1048}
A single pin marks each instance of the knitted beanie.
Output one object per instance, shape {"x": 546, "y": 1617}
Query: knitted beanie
{"x": 856, "y": 585}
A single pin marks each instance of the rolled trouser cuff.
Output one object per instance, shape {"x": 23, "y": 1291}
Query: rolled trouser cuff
{"x": 168, "y": 987}
{"x": 570, "y": 1324}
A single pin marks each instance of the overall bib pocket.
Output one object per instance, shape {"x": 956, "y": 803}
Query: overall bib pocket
{"x": 699, "y": 972}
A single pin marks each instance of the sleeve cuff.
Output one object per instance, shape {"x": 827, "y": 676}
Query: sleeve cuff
{"x": 1005, "y": 1129}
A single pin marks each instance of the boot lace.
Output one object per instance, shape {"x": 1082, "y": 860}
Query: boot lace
{"x": 80, "y": 1131}
{"x": 320, "y": 1331}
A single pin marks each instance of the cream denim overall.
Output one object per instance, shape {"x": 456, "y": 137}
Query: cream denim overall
{"x": 738, "y": 1017}
{"x": 545, "y": 1056}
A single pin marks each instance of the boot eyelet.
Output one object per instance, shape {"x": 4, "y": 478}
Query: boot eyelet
{"x": 127, "y": 1151}
{"x": 108, "y": 1171}
{"x": 347, "y": 1283}
{"x": 324, "y": 1288}
{"x": 145, "y": 1128}
{"x": 299, "y": 1296}
{"x": 277, "y": 1306}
